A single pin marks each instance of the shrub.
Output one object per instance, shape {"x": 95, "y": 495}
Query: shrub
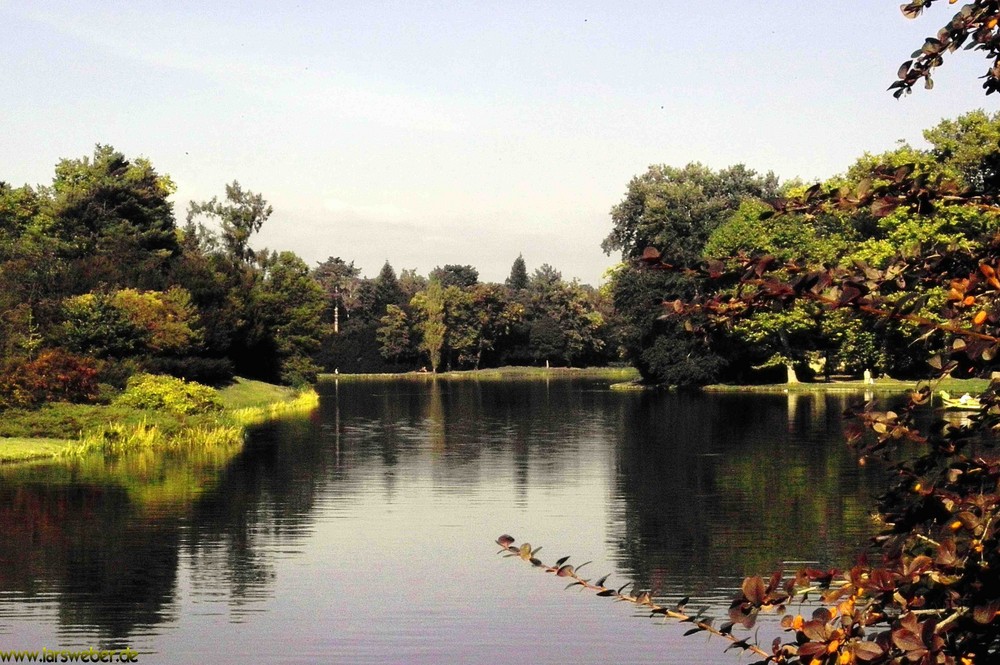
{"x": 54, "y": 376}
{"x": 153, "y": 391}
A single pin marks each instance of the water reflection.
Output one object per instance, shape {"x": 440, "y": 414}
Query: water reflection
{"x": 735, "y": 484}
{"x": 682, "y": 492}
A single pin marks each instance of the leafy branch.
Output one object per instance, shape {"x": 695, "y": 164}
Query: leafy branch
{"x": 842, "y": 632}
{"x": 637, "y": 597}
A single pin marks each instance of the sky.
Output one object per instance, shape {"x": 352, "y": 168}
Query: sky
{"x": 433, "y": 133}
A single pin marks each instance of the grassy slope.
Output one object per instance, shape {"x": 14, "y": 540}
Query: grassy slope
{"x": 55, "y": 428}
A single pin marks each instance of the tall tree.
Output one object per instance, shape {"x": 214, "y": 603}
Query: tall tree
{"x": 113, "y": 221}
{"x": 677, "y": 210}
{"x": 394, "y": 334}
{"x": 518, "y": 280}
{"x": 240, "y": 217}
{"x": 387, "y": 291}
{"x": 340, "y": 282}
{"x": 429, "y": 308}
{"x": 289, "y": 304}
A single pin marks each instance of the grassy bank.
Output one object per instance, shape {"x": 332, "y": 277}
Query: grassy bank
{"x": 61, "y": 429}
{"x": 957, "y": 386}
{"x": 497, "y": 374}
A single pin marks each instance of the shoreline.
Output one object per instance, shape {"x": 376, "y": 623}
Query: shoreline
{"x": 494, "y": 373}
{"x": 245, "y": 403}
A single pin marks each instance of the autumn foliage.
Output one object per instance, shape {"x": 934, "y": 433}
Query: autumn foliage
{"x": 54, "y": 376}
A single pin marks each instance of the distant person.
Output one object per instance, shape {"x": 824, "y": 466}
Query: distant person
{"x": 869, "y": 380}
{"x": 965, "y": 399}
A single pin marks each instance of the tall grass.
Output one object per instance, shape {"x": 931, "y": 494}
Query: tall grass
{"x": 254, "y": 415}
{"x": 224, "y": 430}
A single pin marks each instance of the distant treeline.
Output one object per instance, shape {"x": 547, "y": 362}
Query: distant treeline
{"x": 99, "y": 281}
{"x": 450, "y": 320}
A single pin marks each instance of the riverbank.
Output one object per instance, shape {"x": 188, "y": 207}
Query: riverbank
{"x": 884, "y": 385}
{"x": 496, "y": 374}
{"x": 60, "y": 429}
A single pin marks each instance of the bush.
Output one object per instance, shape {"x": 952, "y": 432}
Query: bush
{"x": 153, "y": 391}
{"x": 54, "y": 376}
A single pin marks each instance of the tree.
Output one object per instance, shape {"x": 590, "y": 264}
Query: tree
{"x": 563, "y": 322}
{"x": 518, "y": 280}
{"x": 456, "y": 275}
{"x": 112, "y": 220}
{"x": 410, "y": 283}
{"x": 289, "y": 304}
{"x": 495, "y": 314}
{"x": 429, "y": 308}
{"x": 169, "y": 318}
{"x": 387, "y": 291}
{"x": 243, "y": 215}
{"x": 677, "y": 210}
{"x": 394, "y": 334}
{"x": 340, "y": 282}
{"x": 94, "y": 326}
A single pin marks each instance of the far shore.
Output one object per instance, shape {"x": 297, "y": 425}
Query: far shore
{"x": 496, "y": 373}
{"x": 883, "y": 385}
{"x": 627, "y": 379}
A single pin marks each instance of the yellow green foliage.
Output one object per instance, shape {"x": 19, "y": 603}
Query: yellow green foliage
{"x": 167, "y": 316}
{"x": 153, "y": 391}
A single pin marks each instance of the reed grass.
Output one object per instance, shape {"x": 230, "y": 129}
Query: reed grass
{"x": 212, "y": 431}
{"x": 76, "y": 430}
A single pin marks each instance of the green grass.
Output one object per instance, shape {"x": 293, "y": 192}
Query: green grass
{"x": 245, "y": 393}
{"x": 18, "y": 449}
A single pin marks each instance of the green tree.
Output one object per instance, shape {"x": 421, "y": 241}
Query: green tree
{"x": 289, "y": 305}
{"x": 394, "y": 334}
{"x": 340, "y": 282}
{"x": 112, "y": 220}
{"x": 239, "y": 218}
{"x": 676, "y": 210}
{"x": 518, "y": 280}
{"x": 456, "y": 275}
{"x": 410, "y": 283}
{"x": 429, "y": 309}
{"x": 94, "y": 326}
{"x": 169, "y": 318}
{"x": 563, "y": 322}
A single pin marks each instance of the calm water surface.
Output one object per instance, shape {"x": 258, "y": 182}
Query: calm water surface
{"x": 364, "y": 533}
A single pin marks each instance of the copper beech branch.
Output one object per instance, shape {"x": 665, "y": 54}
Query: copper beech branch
{"x": 638, "y": 598}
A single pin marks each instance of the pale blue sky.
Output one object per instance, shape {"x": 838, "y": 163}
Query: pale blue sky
{"x": 460, "y": 132}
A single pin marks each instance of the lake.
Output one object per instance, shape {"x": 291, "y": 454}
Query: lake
{"x": 365, "y": 532}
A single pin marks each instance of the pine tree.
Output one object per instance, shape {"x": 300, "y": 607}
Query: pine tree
{"x": 518, "y": 279}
